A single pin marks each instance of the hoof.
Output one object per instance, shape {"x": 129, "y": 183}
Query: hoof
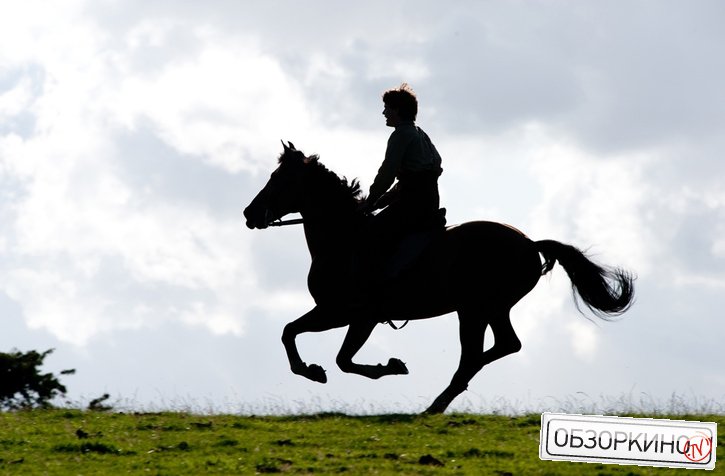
{"x": 316, "y": 373}
{"x": 397, "y": 367}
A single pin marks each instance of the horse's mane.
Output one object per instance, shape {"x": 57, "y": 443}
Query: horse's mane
{"x": 324, "y": 180}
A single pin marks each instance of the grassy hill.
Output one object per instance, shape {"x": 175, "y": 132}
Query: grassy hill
{"x": 78, "y": 442}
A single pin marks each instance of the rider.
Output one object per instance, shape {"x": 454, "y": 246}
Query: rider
{"x": 411, "y": 158}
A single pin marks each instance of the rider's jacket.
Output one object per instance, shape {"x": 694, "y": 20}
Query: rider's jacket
{"x": 410, "y": 157}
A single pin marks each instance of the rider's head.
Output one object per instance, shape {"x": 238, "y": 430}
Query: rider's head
{"x": 403, "y": 100}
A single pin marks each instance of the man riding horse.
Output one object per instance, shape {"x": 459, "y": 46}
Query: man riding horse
{"x": 478, "y": 269}
{"x": 411, "y": 205}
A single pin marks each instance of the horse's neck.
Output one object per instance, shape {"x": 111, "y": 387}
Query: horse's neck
{"x": 330, "y": 220}
{"x": 328, "y": 233}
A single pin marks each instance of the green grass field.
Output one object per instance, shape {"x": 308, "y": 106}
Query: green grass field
{"x": 86, "y": 443}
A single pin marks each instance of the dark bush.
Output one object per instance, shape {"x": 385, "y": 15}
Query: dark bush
{"x": 22, "y": 385}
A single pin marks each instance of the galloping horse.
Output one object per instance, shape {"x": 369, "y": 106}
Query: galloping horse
{"x": 477, "y": 269}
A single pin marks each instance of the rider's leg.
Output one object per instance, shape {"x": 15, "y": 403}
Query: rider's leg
{"x": 380, "y": 236}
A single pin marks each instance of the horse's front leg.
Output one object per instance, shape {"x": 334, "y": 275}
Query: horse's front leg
{"x": 317, "y": 320}
{"x": 357, "y": 335}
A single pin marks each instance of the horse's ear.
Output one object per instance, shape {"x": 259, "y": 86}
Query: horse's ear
{"x": 288, "y": 146}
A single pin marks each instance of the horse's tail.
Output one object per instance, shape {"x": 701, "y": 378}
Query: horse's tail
{"x": 607, "y": 292}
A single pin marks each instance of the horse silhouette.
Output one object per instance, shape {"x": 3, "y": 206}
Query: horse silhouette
{"x": 478, "y": 269}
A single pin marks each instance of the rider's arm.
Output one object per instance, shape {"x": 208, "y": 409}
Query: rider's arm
{"x": 389, "y": 169}
{"x": 388, "y": 197}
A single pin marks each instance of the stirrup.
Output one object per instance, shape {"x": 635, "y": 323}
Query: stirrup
{"x": 392, "y": 324}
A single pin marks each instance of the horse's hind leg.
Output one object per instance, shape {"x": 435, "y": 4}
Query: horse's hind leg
{"x": 357, "y": 334}
{"x": 471, "y": 330}
{"x": 473, "y": 358}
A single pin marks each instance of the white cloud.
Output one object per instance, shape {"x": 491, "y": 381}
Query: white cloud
{"x": 584, "y": 339}
{"x": 597, "y": 202}
{"x": 15, "y": 100}
{"x": 84, "y": 241}
{"x": 226, "y": 104}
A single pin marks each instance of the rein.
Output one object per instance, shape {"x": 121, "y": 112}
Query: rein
{"x": 294, "y": 221}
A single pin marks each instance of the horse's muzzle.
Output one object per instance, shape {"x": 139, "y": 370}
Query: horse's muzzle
{"x": 260, "y": 218}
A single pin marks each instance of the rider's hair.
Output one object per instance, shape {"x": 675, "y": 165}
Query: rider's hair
{"x": 403, "y": 100}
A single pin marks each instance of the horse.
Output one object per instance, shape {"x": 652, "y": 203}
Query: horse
{"x": 478, "y": 269}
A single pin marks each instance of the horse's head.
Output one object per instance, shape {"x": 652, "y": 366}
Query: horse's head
{"x": 283, "y": 193}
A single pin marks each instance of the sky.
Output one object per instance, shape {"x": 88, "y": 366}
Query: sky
{"x": 132, "y": 135}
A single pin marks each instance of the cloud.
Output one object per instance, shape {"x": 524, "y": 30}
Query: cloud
{"x": 225, "y": 105}
{"x": 97, "y": 240}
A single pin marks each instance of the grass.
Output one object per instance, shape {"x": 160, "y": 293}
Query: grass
{"x": 85, "y": 442}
